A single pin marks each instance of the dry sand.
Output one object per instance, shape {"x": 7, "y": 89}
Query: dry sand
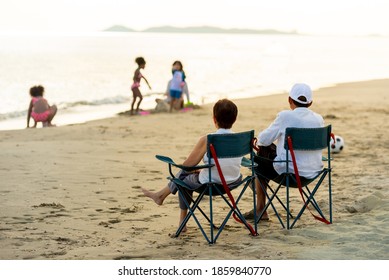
{"x": 73, "y": 192}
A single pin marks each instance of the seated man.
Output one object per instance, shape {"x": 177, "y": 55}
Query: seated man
{"x": 309, "y": 162}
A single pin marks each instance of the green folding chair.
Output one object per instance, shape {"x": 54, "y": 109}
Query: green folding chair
{"x": 300, "y": 139}
{"x": 218, "y": 146}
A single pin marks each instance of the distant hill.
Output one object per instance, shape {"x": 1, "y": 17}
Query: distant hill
{"x": 119, "y": 28}
{"x": 199, "y": 29}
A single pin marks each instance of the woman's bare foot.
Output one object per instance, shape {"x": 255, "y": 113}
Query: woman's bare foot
{"x": 156, "y": 196}
{"x": 184, "y": 229}
{"x": 183, "y": 213}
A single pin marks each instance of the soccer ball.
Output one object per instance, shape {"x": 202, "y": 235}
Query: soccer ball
{"x": 338, "y": 145}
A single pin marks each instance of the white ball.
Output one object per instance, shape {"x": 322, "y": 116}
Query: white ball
{"x": 338, "y": 145}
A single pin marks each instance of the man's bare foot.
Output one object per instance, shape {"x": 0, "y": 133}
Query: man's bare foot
{"x": 250, "y": 215}
{"x": 265, "y": 217}
{"x": 158, "y": 199}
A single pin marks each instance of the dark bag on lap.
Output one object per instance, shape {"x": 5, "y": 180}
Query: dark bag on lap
{"x": 269, "y": 152}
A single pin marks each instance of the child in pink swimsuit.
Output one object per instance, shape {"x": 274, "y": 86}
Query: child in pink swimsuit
{"x": 135, "y": 86}
{"x": 39, "y": 108}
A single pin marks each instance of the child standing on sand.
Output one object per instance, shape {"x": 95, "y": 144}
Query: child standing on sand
{"x": 135, "y": 86}
{"x": 176, "y": 84}
{"x": 39, "y": 108}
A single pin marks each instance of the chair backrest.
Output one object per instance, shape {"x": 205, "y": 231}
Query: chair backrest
{"x": 231, "y": 145}
{"x": 308, "y": 138}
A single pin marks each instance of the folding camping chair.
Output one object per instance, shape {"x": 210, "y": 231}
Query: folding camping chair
{"x": 218, "y": 146}
{"x": 300, "y": 139}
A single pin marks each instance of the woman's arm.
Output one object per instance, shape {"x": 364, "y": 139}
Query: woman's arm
{"x": 197, "y": 153}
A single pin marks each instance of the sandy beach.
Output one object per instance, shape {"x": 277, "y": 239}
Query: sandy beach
{"x": 74, "y": 192}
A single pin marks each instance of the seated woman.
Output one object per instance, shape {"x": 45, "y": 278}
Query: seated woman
{"x": 224, "y": 116}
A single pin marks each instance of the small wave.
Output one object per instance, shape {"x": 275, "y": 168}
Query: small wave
{"x": 119, "y": 99}
{"x": 105, "y": 101}
{"x": 13, "y": 115}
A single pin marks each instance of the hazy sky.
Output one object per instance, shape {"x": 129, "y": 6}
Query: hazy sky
{"x": 307, "y": 16}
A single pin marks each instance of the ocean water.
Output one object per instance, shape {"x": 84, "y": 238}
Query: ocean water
{"x": 89, "y": 76}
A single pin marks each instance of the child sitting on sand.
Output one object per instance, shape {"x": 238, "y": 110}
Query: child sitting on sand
{"x": 39, "y": 108}
{"x": 224, "y": 116}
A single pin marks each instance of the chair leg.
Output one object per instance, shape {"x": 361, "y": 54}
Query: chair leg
{"x": 237, "y": 211}
{"x": 279, "y": 200}
{"x": 234, "y": 210}
{"x": 197, "y": 202}
{"x": 212, "y": 241}
{"x": 191, "y": 210}
{"x": 252, "y": 182}
{"x": 270, "y": 201}
{"x": 311, "y": 200}
{"x": 287, "y": 202}
{"x": 330, "y": 194}
{"x": 193, "y": 205}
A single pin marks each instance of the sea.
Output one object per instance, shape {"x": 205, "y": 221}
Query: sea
{"x": 88, "y": 76}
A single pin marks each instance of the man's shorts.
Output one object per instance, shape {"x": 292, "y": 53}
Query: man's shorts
{"x": 264, "y": 159}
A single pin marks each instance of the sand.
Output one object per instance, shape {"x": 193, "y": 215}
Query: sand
{"x": 74, "y": 192}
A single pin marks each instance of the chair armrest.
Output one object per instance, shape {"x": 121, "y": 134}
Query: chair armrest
{"x": 183, "y": 167}
{"x": 247, "y": 163}
{"x": 268, "y": 159}
{"x": 323, "y": 158}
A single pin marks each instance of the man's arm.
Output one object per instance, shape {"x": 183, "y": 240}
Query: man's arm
{"x": 270, "y": 134}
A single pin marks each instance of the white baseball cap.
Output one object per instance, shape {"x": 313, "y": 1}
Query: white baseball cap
{"x": 301, "y": 90}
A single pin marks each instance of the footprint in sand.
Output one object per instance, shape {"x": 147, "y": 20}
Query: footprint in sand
{"x": 50, "y": 205}
{"x": 156, "y": 216}
{"x": 109, "y": 223}
{"x": 109, "y": 199}
{"x": 126, "y": 257}
{"x": 21, "y": 220}
{"x": 53, "y": 254}
{"x": 66, "y": 241}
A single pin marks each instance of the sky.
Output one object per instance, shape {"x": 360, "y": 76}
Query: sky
{"x": 337, "y": 17}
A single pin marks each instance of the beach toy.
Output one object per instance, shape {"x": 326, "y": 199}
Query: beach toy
{"x": 186, "y": 109}
{"x": 144, "y": 113}
{"x": 337, "y": 145}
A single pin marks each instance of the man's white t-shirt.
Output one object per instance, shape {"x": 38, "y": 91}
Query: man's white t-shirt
{"x": 309, "y": 162}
